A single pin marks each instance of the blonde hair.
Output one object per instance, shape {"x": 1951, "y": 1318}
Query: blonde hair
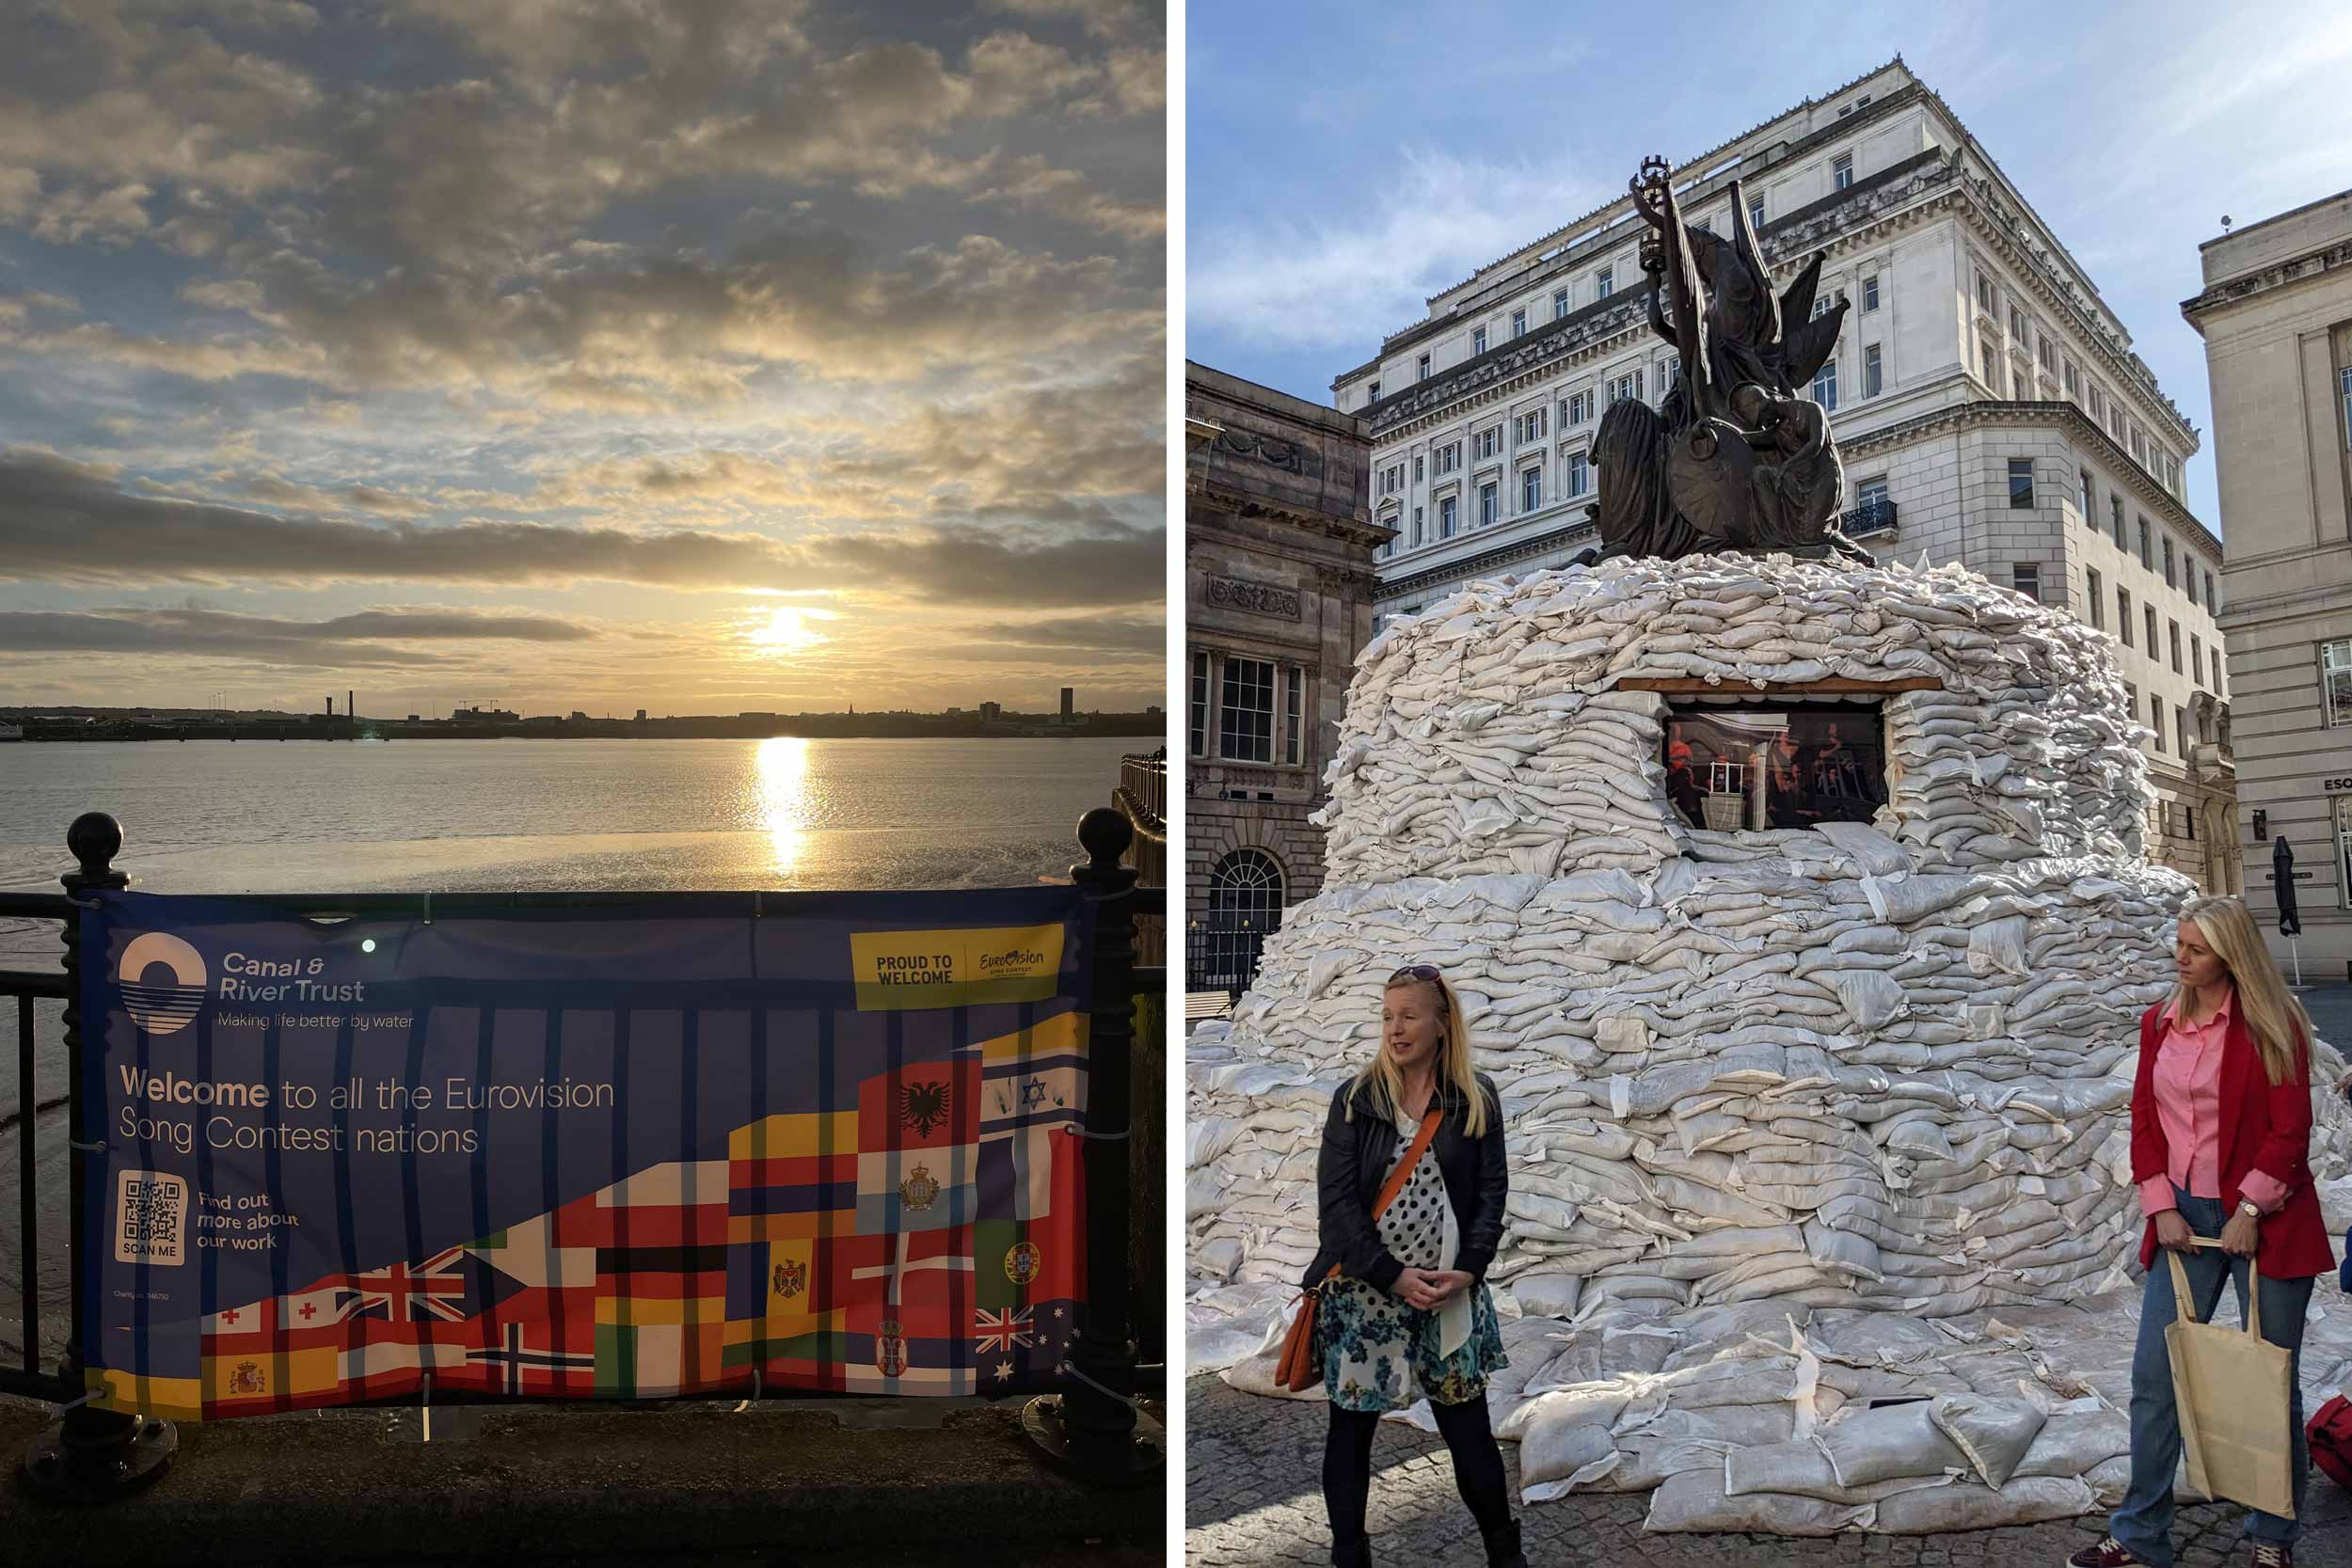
{"x": 1453, "y": 1066}
{"x": 2280, "y": 1027}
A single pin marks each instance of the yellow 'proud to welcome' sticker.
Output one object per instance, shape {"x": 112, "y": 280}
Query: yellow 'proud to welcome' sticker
{"x": 955, "y": 968}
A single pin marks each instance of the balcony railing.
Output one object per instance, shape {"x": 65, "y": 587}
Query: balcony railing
{"x": 1144, "y": 780}
{"x": 1870, "y": 517}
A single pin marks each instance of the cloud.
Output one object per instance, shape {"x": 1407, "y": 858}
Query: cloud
{"x": 111, "y": 217}
{"x": 1139, "y": 78}
{"x": 1068, "y": 194}
{"x": 70, "y": 524}
{"x": 367, "y": 639}
{"x": 1127, "y": 634}
{"x": 1347, "y": 282}
{"x": 1101, "y": 18}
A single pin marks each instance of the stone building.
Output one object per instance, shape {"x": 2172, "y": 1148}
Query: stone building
{"x": 1987, "y": 404}
{"x": 2276, "y": 314}
{"x": 1278, "y": 598}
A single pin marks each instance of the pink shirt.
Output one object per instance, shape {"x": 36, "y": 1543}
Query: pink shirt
{"x": 2188, "y": 1107}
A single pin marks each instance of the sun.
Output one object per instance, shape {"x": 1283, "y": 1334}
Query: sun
{"x": 787, "y": 629}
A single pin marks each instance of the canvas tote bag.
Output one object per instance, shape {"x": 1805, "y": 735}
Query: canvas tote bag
{"x": 1300, "y": 1369}
{"x": 2232, "y": 1387}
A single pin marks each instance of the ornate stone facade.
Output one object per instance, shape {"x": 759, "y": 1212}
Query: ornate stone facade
{"x": 1973, "y": 343}
{"x": 1278, "y": 598}
{"x": 2276, "y": 314}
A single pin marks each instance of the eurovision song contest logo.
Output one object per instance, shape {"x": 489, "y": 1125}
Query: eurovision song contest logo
{"x": 160, "y": 1003}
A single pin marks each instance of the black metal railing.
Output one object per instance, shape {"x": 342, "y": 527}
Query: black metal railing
{"x": 1095, "y": 1427}
{"x": 1222, "y": 957}
{"x": 1876, "y": 517}
{"x": 1144, "y": 781}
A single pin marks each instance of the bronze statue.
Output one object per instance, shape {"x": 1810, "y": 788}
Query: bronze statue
{"x": 1734, "y": 457}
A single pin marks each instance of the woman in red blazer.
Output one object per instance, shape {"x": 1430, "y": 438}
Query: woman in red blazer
{"x": 2221, "y": 1130}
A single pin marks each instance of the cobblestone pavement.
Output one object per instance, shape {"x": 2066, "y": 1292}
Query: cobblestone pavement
{"x": 1253, "y": 1495}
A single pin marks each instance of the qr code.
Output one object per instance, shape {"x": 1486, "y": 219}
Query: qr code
{"x": 151, "y": 1218}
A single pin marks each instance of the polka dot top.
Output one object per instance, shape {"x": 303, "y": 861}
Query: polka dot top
{"x": 1413, "y": 1225}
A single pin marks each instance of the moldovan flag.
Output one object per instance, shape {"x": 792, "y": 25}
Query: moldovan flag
{"x": 918, "y": 1130}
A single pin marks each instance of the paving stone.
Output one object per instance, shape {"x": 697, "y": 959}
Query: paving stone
{"x": 1253, "y": 1495}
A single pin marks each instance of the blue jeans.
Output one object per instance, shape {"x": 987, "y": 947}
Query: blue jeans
{"x": 2144, "y": 1523}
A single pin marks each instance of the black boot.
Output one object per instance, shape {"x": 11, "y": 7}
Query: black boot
{"x": 1352, "y": 1554}
{"x": 1502, "y": 1546}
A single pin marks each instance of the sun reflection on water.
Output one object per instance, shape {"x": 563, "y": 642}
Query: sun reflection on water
{"x": 784, "y": 805}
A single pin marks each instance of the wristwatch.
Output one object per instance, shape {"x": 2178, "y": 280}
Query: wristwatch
{"x": 2246, "y": 1207}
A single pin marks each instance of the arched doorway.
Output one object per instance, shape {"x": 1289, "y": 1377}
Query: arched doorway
{"x": 1244, "y": 903}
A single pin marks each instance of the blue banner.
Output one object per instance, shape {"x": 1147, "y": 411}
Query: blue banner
{"x": 598, "y": 1152}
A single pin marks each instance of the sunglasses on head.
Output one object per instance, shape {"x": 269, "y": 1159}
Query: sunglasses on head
{"x": 1414, "y": 972}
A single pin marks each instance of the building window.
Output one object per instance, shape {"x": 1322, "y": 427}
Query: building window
{"x": 1841, "y": 172}
{"x": 2114, "y": 516}
{"x": 1873, "y": 380}
{"x": 1478, "y": 339}
{"x": 1984, "y": 293}
{"x": 1531, "y": 426}
{"x": 1755, "y": 212}
{"x": 1486, "y": 442}
{"x": 1870, "y": 506}
{"x": 2123, "y": 615}
{"x": 2097, "y": 407}
{"x": 1530, "y": 489}
{"x": 1246, "y": 894}
{"x": 1420, "y": 469}
{"x": 1519, "y": 323}
{"x": 2195, "y": 658}
{"x": 2342, "y": 805}
{"x": 2093, "y": 593}
{"x": 2025, "y": 577}
{"x": 1626, "y": 389}
{"x": 1669, "y": 375}
{"x": 2335, "y": 682}
{"x": 2174, "y": 627}
{"x": 1869, "y": 293}
{"x": 2074, "y": 381}
{"x": 1421, "y": 368}
{"x": 1580, "y": 407}
{"x": 2212, "y": 605}
{"x": 1244, "y": 711}
{"x": 1417, "y": 528}
{"x": 1294, "y": 705}
{"x": 2017, "y": 329}
{"x": 1606, "y": 283}
{"x": 1486, "y": 506}
{"x": 1559, "y": 303}
{"x": 2148, "y": 620}
{"x": 2344, "y": 385}
{"x": 1579, "y": 474}
{"x": 2180, "y": 731}
{"x": 1448, "y": 457}
{"x": 2090, "y": 513}
{"x": 1447, "y": 510}
{"x": 2048, "y": 352}
{"x": 1198, "y": 732}
{"x": 2156, "y": 714}
{"x": 2188, "y": 815}
{"x": 2146, "y": 559}
{"x": 1990, "y": 364}
{"x": 2168, "y": 562}
{"x": 1825, "y": 386}
{"x": 2021, "y": 481}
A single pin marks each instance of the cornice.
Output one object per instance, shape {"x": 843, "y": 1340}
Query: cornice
{"x": 1989, "y": 411}
{"x": 2311, "y": 263}
{"x": 1463, "y": 567}
{"x": 1246, "y": 504}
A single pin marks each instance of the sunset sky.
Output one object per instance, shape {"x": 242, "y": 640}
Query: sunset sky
{"x": 582, "y": 354}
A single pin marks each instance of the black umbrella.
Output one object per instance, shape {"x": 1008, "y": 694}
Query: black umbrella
{"x": 2282, "y": 875}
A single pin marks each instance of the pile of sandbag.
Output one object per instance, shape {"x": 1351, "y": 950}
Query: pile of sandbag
{"x": 1875, "y": 1070}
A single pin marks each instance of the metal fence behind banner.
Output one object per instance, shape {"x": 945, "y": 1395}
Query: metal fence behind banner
{"x": 1221, "y": 958}
{"x": 1095, "y": 1427}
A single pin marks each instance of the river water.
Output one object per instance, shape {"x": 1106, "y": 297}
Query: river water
{"x": 362, "y": 816}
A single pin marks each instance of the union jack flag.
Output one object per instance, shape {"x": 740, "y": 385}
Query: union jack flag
{"x": 1003, "y": 1330}
{"x": 432, "y": 1289}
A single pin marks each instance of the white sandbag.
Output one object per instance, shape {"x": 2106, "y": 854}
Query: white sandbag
{"x": 1897, "y": 1440}
{"x": 1696, "y": 1500}
{"x": 1995, "y": 1434}
{"x": 1553, "y": 1449}
{"x": 2072, "y": 1442}
{"x": 1967, "y": 1505}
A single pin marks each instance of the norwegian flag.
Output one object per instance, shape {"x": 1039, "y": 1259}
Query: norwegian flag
{"x": 1003, "y": 1330}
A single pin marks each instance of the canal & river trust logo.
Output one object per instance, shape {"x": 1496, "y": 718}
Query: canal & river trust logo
{"x": 160, "y": 1003}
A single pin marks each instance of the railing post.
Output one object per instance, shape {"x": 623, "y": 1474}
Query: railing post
{"x": 1095, "y": 1428}
{"x": 90, "y": 1455}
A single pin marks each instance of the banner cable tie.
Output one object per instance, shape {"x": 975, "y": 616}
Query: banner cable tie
{"x": 428, "y": 906}
{"x": 83, "y": 1400}
{"x": 98, "y": 1148}
{"x": 84, "y": 903}
{"x": 1107, "y": 1393}
{"x": 1118, "y": 1138}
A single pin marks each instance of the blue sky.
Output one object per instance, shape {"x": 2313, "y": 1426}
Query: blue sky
{"x": 1344, "y": 162}
{"x": 746, "y": 354}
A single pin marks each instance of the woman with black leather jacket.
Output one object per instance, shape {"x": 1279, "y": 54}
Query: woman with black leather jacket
{"x": 1409, "y": 1315}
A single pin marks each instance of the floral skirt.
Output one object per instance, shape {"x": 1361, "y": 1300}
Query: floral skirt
{"x": 1379, "y": 1354}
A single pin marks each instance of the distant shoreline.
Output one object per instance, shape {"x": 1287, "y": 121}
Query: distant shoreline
{"x": 617, "y": 729}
